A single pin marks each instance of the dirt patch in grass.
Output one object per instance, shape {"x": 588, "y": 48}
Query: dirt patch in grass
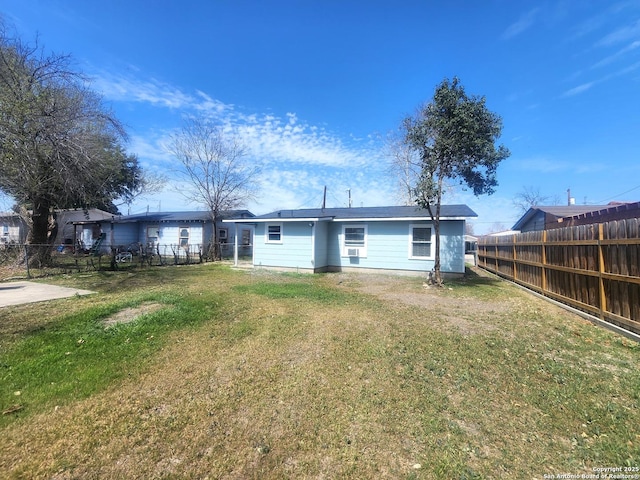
{"x": 461, "y": 312}
{"x": 132, "y": 313}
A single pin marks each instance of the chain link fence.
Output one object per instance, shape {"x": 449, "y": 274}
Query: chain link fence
{"x": 19, "y": 261}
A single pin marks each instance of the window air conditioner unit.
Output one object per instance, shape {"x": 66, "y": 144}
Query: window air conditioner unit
{"x": 352, "y": 252}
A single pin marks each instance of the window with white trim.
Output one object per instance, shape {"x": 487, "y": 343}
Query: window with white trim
{"x": 223, "y": 235}
{"x": 184, "y": 237}
{"x": 420, "y": 242}
{"x": 354, "y": 240}
{"x": 246, "y": 237}
{"x": 273, "y": 233}
{"x": 153, "y": 234}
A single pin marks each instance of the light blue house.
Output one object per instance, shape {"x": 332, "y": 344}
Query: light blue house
{"x": 167, "y": 232}
{"x": 400, "y": 239}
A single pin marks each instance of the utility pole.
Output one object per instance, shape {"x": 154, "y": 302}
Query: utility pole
{"x": 349, "y": 191}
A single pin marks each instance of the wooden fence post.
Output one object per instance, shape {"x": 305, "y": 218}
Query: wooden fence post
{"x": 515, "y": 259}
{"x": 543, "y": 273}
{"x": 601, "y": 270}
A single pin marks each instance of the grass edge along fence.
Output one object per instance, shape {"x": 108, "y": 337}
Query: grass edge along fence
{"x": 593, "y": 268}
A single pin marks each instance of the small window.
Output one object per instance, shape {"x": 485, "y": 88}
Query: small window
{"x": 354, "y": 240}
{"x": 153, "y": 233}
{"x": 223, "y": 235}
{"x": 184, "y": 237}
{"x": 274, "y": 233}
{"x": 5, "y": 229}
{"x": 246, "y": 237}
{"x": 354, "y": 236}
{"x": 420, "y": 242}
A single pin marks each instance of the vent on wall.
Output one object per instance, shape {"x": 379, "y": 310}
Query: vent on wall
{"x": 352, "y": 252}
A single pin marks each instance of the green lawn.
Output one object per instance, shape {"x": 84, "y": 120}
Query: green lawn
{"x": 206, "y": 372}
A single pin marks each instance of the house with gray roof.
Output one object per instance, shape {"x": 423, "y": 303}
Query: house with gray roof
{"x": 171, "y": 231}
{"x": 394, "y": 239}
{"x": 547, "y": 218}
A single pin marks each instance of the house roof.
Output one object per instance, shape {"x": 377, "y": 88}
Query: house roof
{"x": 189, "y": 216}
{"x": 558, "y": 211}
{"x": 608, "y": 210}
{"x": 448, "y": 212}
{"x": 82, "y": 215}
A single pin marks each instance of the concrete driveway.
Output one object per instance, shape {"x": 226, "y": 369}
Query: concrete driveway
{"x": 17, "y": 293}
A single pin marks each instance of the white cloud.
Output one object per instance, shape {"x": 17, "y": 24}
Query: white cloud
{"x": 151, "y": 149}
{"x": 550, "y": 165}
{"x": 586, "y": 86}
{"x": 542, "y": 165}
{"x": 269, "y": 137}
{"x": 298, "y": 159}
{"x": 620, "y": 53}
{"x": 525, "y": 22}
{"x": 621, "y": 35}
{"x": 579, "y": 89}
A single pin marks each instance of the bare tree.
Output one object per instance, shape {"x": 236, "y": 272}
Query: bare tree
{"x": 215, "y": 164}
{"x": 527, "y": 198}
{"x": 405, "y": 166}
{"x": 468, "y": 229}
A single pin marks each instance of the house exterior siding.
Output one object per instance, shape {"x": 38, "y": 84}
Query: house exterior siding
{"x": 387, "y": 247}
{"x": 124, "y": 231}
{"x": 293, "y": 251}
{"x": 120, "y": 234}
{"x": 321, "y": 250}
{"x": 394, "y": 238}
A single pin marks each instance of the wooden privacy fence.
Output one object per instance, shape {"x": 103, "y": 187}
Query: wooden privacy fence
{"x": 594, "y": 268}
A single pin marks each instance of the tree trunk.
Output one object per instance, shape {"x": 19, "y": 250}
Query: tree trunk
{"x": 217, "y": 254}
{"x": 437, "y": 275}
{"x": 38, "y": 240}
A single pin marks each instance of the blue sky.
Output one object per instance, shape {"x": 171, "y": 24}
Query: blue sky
{"x": 313, "y": 87}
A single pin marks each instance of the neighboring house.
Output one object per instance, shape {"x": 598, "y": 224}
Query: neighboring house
{"x": 169, "y": 230}
{"x": 470, "y": 249}
{"x": 546, "y": 218}
{"x": 613, "y": 211}
{"x": 367, "y": 238}
{"x": 67, "y": 221}
{"x": 13, "y": 229}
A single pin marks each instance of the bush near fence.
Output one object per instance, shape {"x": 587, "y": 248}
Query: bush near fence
{"x": 594, "y": 268}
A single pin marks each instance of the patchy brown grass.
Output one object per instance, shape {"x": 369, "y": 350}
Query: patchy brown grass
{"x": 348, "y": 376}
{"x": 131, "y": 314}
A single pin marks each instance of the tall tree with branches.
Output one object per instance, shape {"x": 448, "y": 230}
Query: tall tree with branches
{"x": 530, "y": 197}
{"x": 404, "y": 165}
{"x": 215, "y": 164}
{"x": 59, "y": 146}
{"x": 455, "y": 137}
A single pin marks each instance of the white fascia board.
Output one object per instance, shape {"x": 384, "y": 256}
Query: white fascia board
{"x": 396, "y": 219}
{"x": 279, "y": 220}
{"x": 341, "y": 219}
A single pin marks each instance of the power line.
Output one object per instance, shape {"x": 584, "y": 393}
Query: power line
{"x": 619, "y": 195}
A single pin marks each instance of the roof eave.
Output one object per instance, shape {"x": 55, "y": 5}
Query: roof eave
{"x": 278, "y": 219}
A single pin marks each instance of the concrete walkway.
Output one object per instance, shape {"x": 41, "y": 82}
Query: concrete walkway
{"x": 18, "y": 293}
